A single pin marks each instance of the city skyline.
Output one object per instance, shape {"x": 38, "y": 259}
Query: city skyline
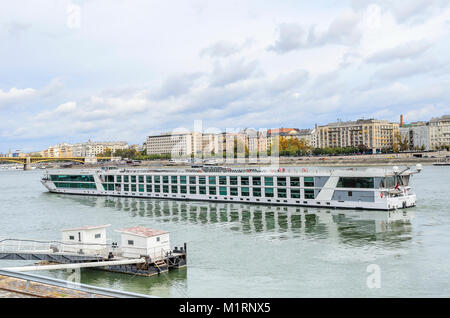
{"x": 436, "y": 134}
{"x": 79, "y": 70}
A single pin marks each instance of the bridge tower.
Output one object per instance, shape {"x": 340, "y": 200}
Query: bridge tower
{"x": 27, "y": 165}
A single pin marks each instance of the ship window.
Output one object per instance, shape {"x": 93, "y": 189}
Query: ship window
{"x": 109, "y": 178}
{"x": 165, "y": 188}
{"x": 245, "y": 181}
{"x": 126, "y": 179}
{"x": 309, "y": 194}
{"x": 233, "y": 180}
{"x": 295, "y": 193}
{"x": 245, "y": 192}
{"x": 222, "y": 180}
{"x": 202, "y": 190}
{"x": 149, "y": 188}
{"x": 234, "y": 191}
{"x": 212, "y": 190}
{"x": 257, "y": 192}
{"x": 157, "y": 179}
{"x": 141, "y": 188}
{"x": 157, "y": 188}
{"x": 133, "y": 179}
{"x": 165, "y": 179}
{"x": 256, "y": 180}
{"x": 141, "y": 179}
{"x": 361, "y": 182}
{"x": 212, "y": 180}
{"x": 295, "y": 181}
{"x": 174, "y": 179}
{"x": 309, "y": 181}
{"x": 183, "y": 189}
{"x": 133, "y": 187}
{"x": 192, "y": 179}
{"x": 202, "y": 180}
{"x": 130, "y": 242}
{"x": 158, "y": 239}
{"x": 223, "y": 190}
{"x": 193, "y": 190}
{"x": 174, "y": 189}
{"x": 119, "y": 179}
{"x": 148, "y": 179}
{"x": 269, "y": 193}
{"x": 268, "y": 181}
{"x": 81, "y": 178}
{"x": 281, "y": 181}
{"x": 282, "y": 193}
{"x": 126, "y": 187}
{"x": 72, "y": 237}
{"x": 97, "y": 236}
{"x": 350, "y": 193}
{"x": 76, "y": 185}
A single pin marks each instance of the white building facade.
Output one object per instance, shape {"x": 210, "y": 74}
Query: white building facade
{"x": 92, "y": 149}
{"x": 440, "y": 132}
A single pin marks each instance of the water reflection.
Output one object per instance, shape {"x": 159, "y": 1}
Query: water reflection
{"x": 350, "y": 227}
{"x": 172, "y": 284}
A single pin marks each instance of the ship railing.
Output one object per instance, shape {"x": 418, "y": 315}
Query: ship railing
{"x": 53, "y": 247}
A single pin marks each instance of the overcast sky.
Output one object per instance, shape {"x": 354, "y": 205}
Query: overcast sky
{"x": 121, "y": 70}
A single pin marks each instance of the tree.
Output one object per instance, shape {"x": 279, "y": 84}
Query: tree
{"x": 400, "y": 144}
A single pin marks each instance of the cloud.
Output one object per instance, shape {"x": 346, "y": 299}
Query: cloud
{"x": 401, "y": 52}
{"x": 224, "y": 48}
{"x": 176, "y": 85}
{"x": 15, "y": 95}
{"x": 407, "y": 68}
{"x": 409, "y": 12}
{"x": 343, "y": 30}
{"x": 231, "y": 72}
{"x": 289, "y": 81}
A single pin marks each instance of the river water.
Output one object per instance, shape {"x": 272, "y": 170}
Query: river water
{"x": 239, "y": 250}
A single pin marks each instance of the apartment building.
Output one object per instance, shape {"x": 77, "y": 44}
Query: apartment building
{"x": 95, "y": 148}
{"x": 439, "y": 132}
{"x": 417, "y": 134}
{"x": 176, "y": 144}
{"x": 308, "y": 135}
{"x": 63, "y": 150}
{"x": 374, "y": 134}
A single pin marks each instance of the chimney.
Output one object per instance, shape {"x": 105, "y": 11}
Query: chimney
{"x": 401, "y": 120}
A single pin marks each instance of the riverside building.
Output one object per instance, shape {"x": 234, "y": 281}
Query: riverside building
{"x": 374, "y": 134}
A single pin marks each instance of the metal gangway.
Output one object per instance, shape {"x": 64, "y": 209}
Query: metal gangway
{"x": 92, "y": 291}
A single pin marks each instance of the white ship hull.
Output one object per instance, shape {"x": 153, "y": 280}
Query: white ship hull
{"x": 315, "y": 188}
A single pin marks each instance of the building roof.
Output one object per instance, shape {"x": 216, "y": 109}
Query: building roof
{"x": 142, "y": 231}
{"x": 281, "y": 130}
{"x": 87, "y": 228}
{"x": 442, "y": 118}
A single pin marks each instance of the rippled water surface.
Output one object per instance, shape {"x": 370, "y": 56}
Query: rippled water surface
{"x": 239, "y": 250}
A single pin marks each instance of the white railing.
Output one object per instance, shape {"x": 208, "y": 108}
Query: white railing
{"x": 52, "y": 247}
{"x": 56, "y": 247}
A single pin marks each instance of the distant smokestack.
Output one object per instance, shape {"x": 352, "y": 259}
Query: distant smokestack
{"x": 401, "y": 120}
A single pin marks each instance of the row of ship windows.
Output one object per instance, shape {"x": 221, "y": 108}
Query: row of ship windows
{"x": 232, "y": 191}
{"x": 233, "y": 180}
{"x": 212, "y": 180}
{"x": 225, "y": 191}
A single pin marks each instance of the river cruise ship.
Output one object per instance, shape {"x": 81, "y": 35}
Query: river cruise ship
{"x": 355, "y": 188}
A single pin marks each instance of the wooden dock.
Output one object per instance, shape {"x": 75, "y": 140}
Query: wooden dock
{"x": 108, "y": 258}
